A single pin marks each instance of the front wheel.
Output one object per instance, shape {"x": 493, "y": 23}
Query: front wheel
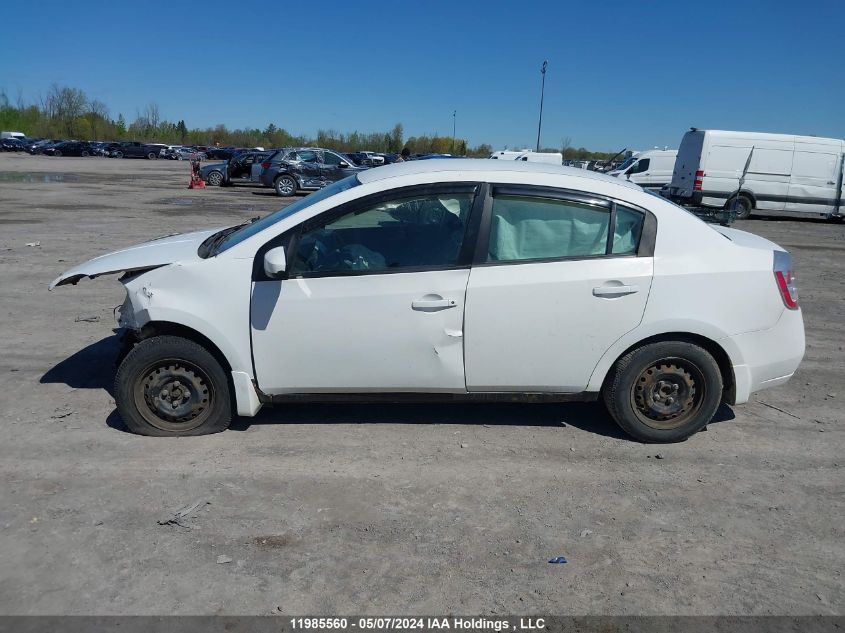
{"x": 85, "y": 154}
{"x": 57, "y": 153}
{"x": 214, "y": 178}
{"x": 664, "y": 392}
{"x": 152, "y": 155}
{"x": 285, "y": 186}
{"x": 170, "y": 386}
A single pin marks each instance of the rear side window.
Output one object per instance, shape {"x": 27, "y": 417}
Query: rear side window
{"x": 628, "y": 228}
{"x": 526, "y": 228}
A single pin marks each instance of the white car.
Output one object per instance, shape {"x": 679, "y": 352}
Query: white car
{"x": 456, "y": 279}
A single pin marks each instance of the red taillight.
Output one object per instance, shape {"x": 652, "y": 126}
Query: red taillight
{"x": 785, "y": 279}
{"x": 699, "y": 178}
{"x": 265, "y": 164}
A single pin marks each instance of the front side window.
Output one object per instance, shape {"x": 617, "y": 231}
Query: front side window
{"x": 412, "y": 232}
{"x": 640, "y": 166}
{"x": 331, "y": 159}
{"x": 526, "y": 228}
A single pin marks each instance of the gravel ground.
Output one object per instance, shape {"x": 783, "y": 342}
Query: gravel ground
{"x": 384, "y": 508}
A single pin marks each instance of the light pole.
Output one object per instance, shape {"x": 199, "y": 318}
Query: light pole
{"x": 542, "y": 93}
{"x": 454, "y": 116}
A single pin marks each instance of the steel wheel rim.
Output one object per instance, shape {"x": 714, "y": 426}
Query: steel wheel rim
{"x": 668, "y": 393}
{"x": 173, "y": 395}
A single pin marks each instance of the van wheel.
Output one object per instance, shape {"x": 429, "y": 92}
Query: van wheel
{"x": 170, "y": 386}
{"x": 664, "y": 392}
{"x": 743, "y": 206}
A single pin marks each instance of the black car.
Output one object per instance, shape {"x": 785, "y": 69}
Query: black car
{"x": 69, "y": 148}
{"x": 12, "y": 145}
{"x": 135, "y": 149}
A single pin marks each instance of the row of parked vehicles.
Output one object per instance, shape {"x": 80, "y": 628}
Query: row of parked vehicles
{"x": 743, "y": 172}
{"x": 290, "y": 170}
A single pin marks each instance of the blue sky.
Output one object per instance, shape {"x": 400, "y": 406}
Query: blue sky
{"x": 621, "y": 74}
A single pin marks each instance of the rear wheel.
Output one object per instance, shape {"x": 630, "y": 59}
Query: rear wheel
{"x": 169, "y": 386}
{"x": 285, "y": 185}
{"x": 214, "y": 178}
{"x": 743, "y": 206}
{"x": 664, "y": 392}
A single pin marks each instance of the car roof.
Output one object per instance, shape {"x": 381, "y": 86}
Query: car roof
{"x": 479, "y": 166}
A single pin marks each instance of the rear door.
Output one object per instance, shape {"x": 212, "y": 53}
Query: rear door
{"x": 815, "y": 181}
{"x": 549, "y": 291}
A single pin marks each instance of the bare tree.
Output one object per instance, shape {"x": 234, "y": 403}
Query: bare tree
{"x": 565, "y": 144}
{"x": 151, "y": 114}
{"x": 98, "y": 112}
{"x": 66, "y": 105}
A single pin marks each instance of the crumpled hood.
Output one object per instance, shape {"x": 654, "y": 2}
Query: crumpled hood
{"x": 146, "y": 256}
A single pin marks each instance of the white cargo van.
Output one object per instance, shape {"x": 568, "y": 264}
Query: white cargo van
{"x": 19, "y": 135}
{"x": 651, "y": 169}
{"x": 527, "y": 155}
{"x": 776, "y": 174}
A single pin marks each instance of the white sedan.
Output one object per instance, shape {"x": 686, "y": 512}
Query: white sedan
{"x": 456, "y": 280}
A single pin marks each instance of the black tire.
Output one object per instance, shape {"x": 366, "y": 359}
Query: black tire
{"x": 744, "y": 206}
{"x": 161, "y": 366}
{"x": 214, "y": 178}
{"x": 118, "y": 154}
{"x": 57, "y": 153}
{"x": 285, "y": 186}
{"x": 85, "y": 154}
{"x": 664, "y": 392}
{"x": 152, "y": 155}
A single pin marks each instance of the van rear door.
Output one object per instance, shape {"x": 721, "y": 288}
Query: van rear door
{"x": 815, "y": 185}
{"x": 686, "y": 164}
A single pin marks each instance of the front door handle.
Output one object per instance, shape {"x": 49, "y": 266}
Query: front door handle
{"x": 433, "y": 304}
{"x": 614, "y": 291}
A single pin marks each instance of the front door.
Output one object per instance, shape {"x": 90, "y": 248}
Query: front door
{"x": 551, "y": 293}
{"x": 374, "y": 300}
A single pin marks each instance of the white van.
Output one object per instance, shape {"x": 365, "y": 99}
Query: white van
{"x": 19, "y": 135}
{"x": 526, "y": 155}
{"x": 778, "y": 174}
{"x": 651, "y": 169}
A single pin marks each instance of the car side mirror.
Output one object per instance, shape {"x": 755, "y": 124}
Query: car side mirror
{"x": 343, "y": 165}
{"x": 275, "y": 262}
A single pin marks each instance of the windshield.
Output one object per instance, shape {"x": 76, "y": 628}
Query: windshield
{"x": 249, "y": 230}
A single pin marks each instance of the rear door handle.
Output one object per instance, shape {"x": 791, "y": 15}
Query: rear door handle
{"x": 432, "y": 305}
{"x": 614, "y": 291}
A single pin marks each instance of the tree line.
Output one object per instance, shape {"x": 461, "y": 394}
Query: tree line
{"x": 66, "y": 112}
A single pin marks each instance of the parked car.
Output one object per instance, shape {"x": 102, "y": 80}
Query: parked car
{"x": 224, "y": 153}
{"x": 38, "y": 147}
{"x": 136, "y": 149}
{"x": 304, "y": 169}
{"x": 183, "y": 153}
{"x": 69, "y": 148}
{"x": 243, "y": 167}
{"x": 472, "y": 279}
{"x": 12, "y": 144}
{"x": 651, "y": 169}
{"x": 778, "y": 174}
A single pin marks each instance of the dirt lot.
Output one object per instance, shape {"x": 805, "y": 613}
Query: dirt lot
{"x": 385, "y": 509}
